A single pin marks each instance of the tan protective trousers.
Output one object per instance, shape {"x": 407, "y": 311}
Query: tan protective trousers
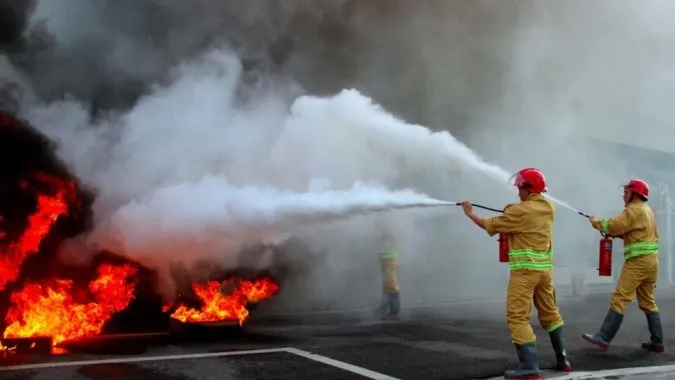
{"x": 638, "y": 277}
{"x": 389, "y": 277}
{"x": 526, "y": 286}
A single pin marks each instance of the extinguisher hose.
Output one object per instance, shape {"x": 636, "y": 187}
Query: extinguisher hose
{"x": 588, "y": 216}
{"x": 497, "y": 210}
{"x": 481, "y": 206}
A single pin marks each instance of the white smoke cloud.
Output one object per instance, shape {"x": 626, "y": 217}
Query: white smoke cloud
{"x": 194, "y": 176}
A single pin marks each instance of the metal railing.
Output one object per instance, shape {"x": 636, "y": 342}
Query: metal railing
{"x": 666, "y": 231}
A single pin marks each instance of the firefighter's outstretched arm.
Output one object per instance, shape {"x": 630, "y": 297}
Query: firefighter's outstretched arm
{"x": 468, "y": 211}
{"x": 509, "y": 222}
{"x": 617, "y": 226}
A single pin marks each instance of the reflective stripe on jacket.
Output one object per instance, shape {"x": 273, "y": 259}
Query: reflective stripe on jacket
{"x": 636, "y": 225}
{"x": 530, "y": 259}
{"x": 392, "y": 254}
{"x": 529, "y": 225}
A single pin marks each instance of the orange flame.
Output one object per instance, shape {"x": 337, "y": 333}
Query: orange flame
{"x": 49, "y": 209}
{"x": 50, "y": 310}
{"x": 54, "y": 308}
{"x": 6, "y": 351}
{"x": 221, "y": 307}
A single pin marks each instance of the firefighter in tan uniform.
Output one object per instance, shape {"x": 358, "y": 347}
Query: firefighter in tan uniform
{"x": 636, "y": 225}
{"x": 529, "y": 225}
{"x": 390, "y": 305}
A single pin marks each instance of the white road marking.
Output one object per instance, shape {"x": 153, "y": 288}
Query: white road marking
{"x": 605, "y": 373}
{"x": 342, "y": 365}
{"x": 138, "y": 359}
{"x": 623, "y": 372}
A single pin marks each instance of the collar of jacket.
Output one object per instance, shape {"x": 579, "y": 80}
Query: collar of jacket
{"x": 532, "y": 196}
{"x": 635, "y": 201}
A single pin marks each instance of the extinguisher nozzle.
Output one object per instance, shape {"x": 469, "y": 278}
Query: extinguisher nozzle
{"x": 584, "y": 215}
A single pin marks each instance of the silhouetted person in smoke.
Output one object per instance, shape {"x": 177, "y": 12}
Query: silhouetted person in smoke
{"x": 390, "y": 305}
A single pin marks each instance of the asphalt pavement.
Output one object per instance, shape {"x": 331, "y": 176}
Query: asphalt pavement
{"x": 450, "y": 342}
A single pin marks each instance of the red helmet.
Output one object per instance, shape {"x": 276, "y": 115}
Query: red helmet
{"x": 531, "y": 179}
{"x": 638, "y": 186}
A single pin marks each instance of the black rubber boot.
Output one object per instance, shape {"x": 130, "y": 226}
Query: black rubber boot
{"x": 558, "y": 342}
{"x": 609, "y": 328}
{"x": 528, "y": 366}
{"x": 656, "y": 331}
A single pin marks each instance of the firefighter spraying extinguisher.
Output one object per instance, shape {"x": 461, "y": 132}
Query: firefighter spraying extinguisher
{"x": 605, "y": 257}
{"x": 636, "y": 226}
{"x": 503, "y": 248}
{"x": 525, "y": 242}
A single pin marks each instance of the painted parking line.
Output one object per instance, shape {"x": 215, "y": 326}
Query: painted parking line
{"x": 136, "y": 359}
{"x": 139, "y": 359}
{"x": 341, "y": 365}
{"x": 623, "y": 372}
{"x": 581, "y": 375}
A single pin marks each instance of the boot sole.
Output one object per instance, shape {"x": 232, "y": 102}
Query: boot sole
{"x": 565, "y": 369}
{"x": 654, "y": 349}
{"x": 601, "y": 346}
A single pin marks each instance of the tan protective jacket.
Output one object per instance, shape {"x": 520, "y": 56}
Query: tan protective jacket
{"x": 529, "y": 225}
{"x": 636, "y": 225}
{"x": 389, "y": 261}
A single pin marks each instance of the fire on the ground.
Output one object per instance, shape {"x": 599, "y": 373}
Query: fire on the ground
{"x": 58, "y": 308}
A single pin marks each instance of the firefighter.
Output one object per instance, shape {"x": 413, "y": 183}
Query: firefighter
{"x": 390, "y": 305}
{"x": 636, "y": 225}
{"x": 529, "y": 225}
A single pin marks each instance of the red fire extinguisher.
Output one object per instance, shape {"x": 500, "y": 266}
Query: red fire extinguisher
{"x": 605, "y": 257}
{"x": 503, "y": 248}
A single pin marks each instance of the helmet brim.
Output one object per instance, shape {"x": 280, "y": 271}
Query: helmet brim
{"x": 515, "y": 180}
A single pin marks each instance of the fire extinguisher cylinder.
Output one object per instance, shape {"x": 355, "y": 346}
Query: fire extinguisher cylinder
{"x": 605, "y": 257}
{"x": 503, "y": 248}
